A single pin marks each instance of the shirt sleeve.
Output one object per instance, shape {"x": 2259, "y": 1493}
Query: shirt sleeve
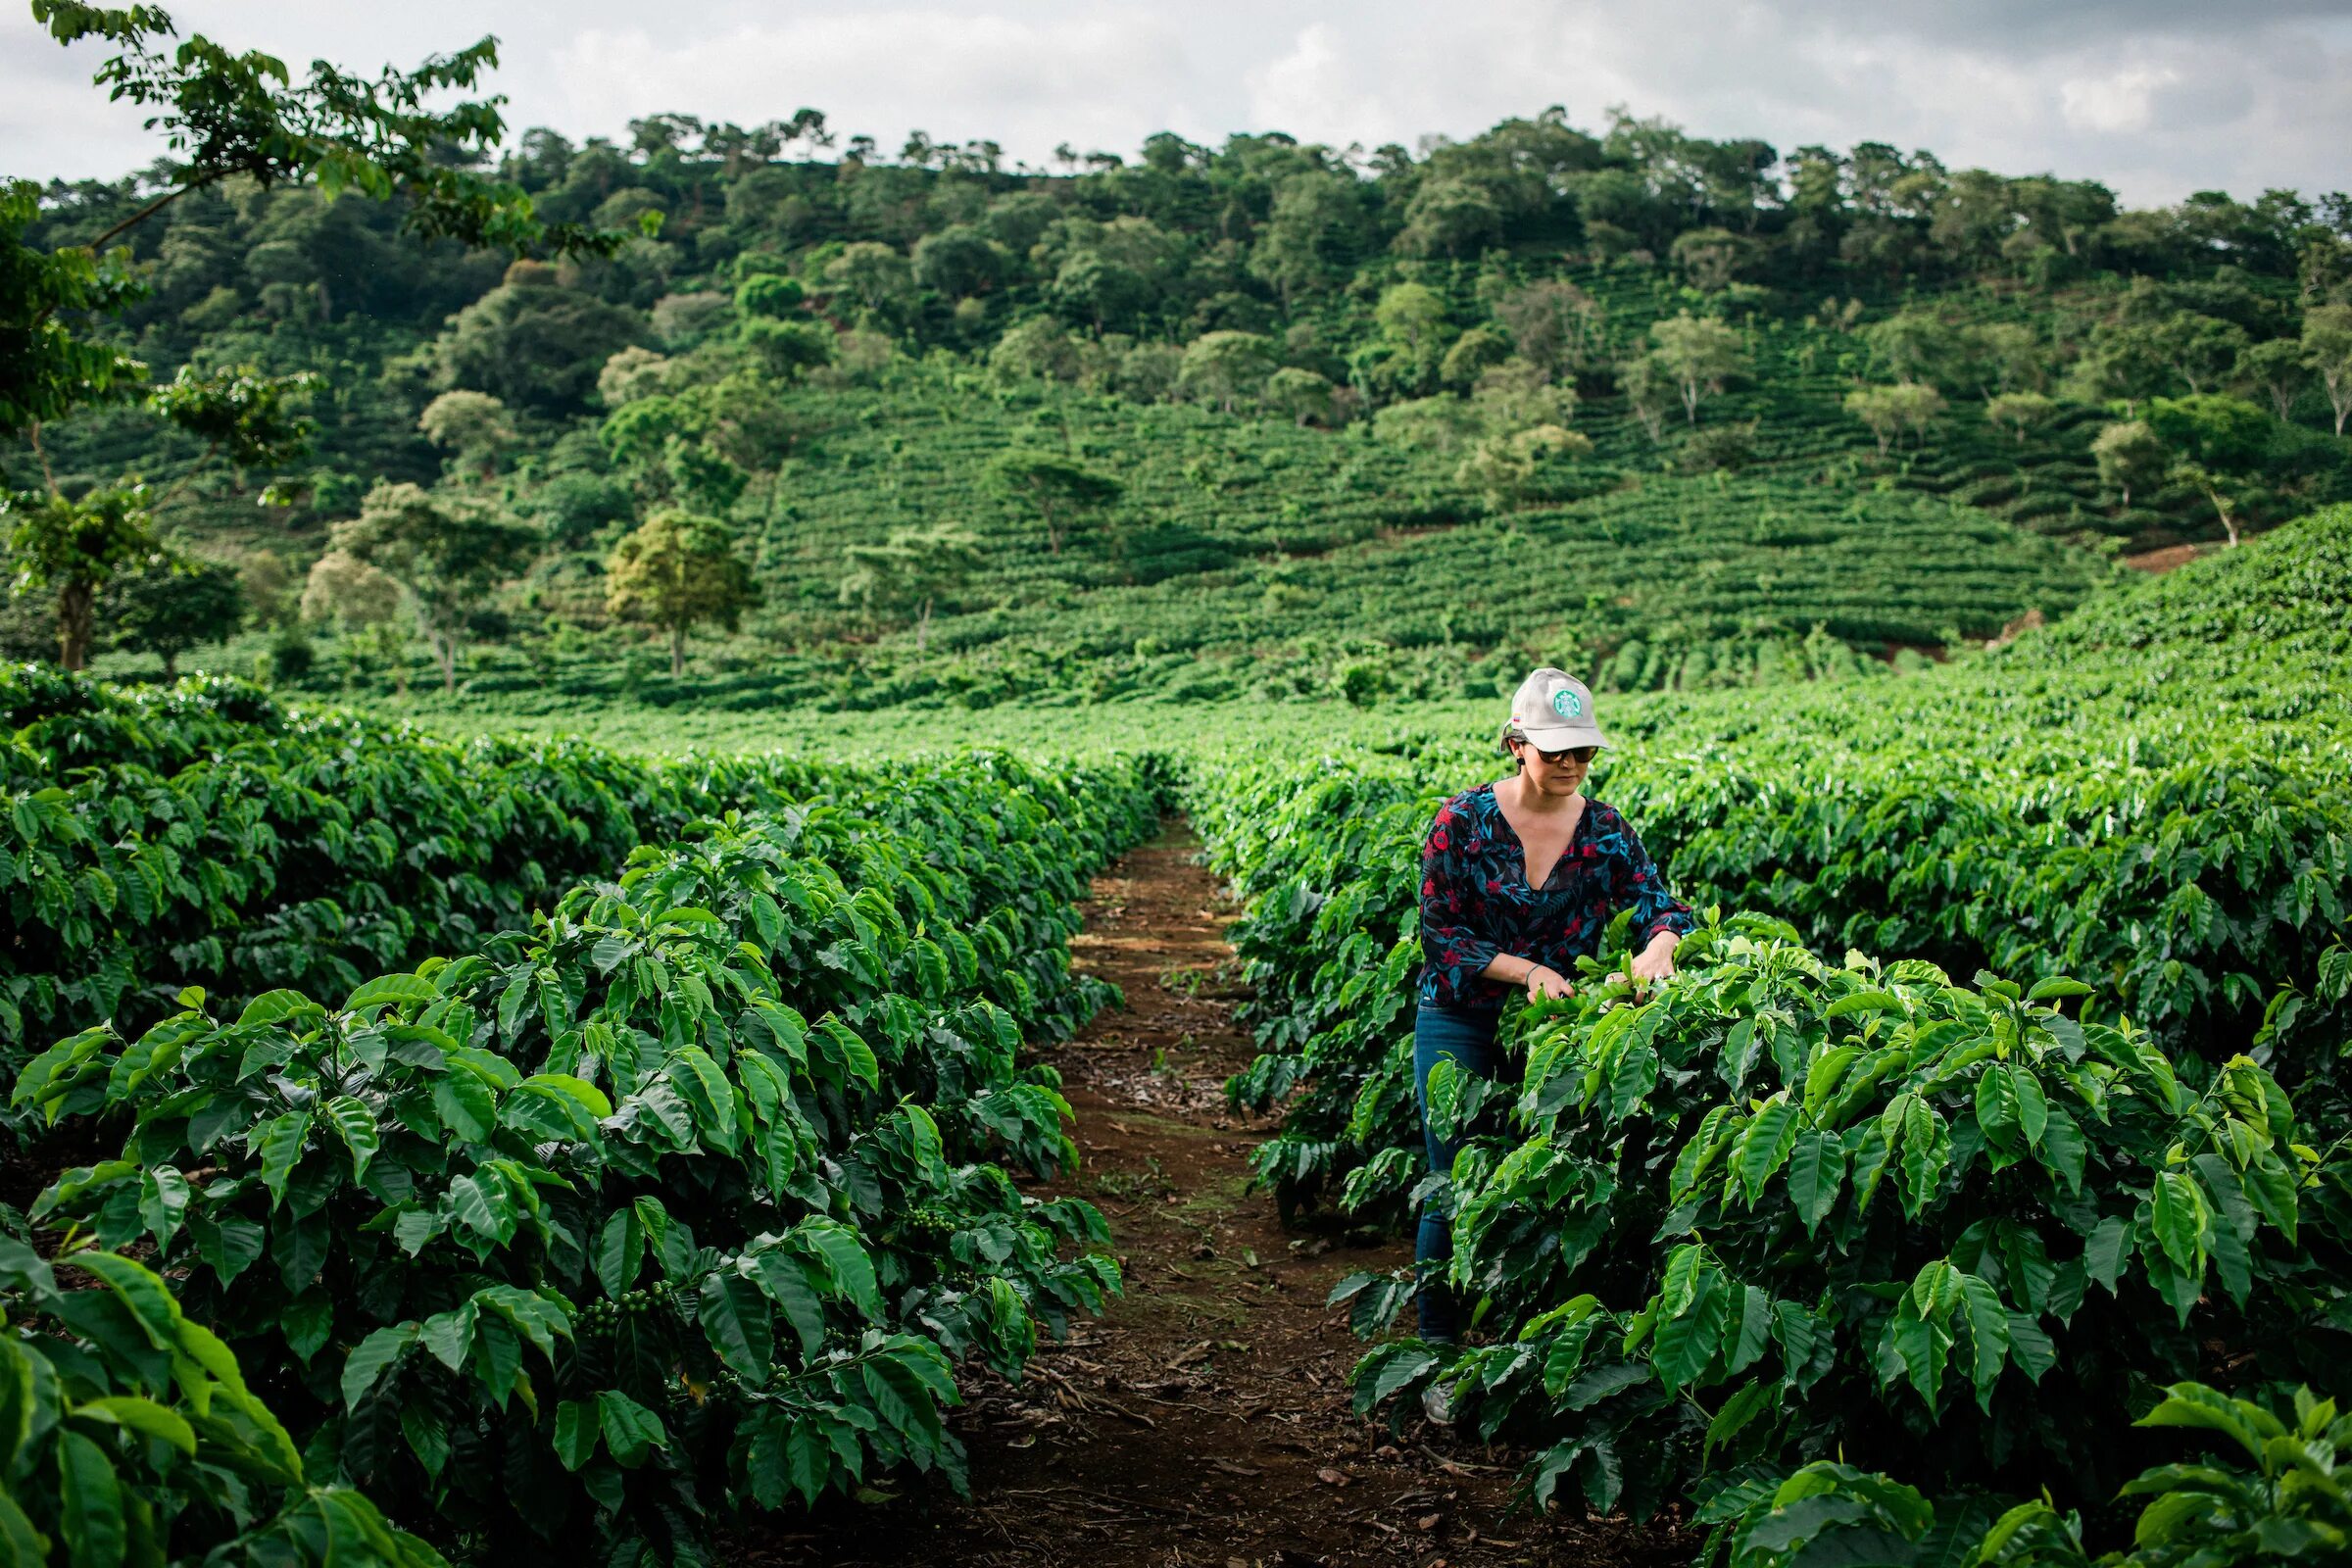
{"x": 1642, "y": 888}
{"x": 1449, "y": 945}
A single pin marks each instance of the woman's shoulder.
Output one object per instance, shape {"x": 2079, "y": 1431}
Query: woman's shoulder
{"x": 1459, "y": 825}
{"x": 1470, "y": 803}
{"x": 1605, "y": 823}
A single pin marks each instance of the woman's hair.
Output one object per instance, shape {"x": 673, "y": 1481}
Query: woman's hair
{"x": 1511, "y": 732}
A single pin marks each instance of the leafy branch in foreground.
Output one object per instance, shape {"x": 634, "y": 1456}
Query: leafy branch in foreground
{"x": 128, "y": 1434}
{"x": 2283, "y": 1502}
{"x": 224, "y": 113}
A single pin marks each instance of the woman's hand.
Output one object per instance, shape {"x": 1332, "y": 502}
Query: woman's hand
{"x": 1545, "y": 983}
{"x": 1655, "y": 961}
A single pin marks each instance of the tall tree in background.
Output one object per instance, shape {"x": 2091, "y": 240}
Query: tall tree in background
{"x": 908, "y": 572}
{"x": 175, "y": 604}
{"x": 473, "y": 428}
{"x": 2328, "y": 347}
{"x": 1061, "y": 493}
{"x": 2129, "y": 455}
{"x": 2218, "y": 442}
{"x": 1700, "y": 354}
{"x": 446, "y": 552}
{"x": 222, "y": 113}
{"x": 677, "y": 572}
{"x": 75, "y": 547}
{"x": 1907, "y": 406}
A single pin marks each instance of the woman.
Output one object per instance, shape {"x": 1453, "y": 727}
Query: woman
{"x": 1519, "y": 878}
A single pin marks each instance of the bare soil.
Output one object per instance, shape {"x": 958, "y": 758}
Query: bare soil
{"x": 1205, "y": 1419}
{"x": 2158, "y": 561}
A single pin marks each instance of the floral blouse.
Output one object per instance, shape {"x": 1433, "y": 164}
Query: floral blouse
{"x": 1476, "y": 904}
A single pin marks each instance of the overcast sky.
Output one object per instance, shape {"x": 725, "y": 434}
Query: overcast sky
{"x": 2155, "y": 97}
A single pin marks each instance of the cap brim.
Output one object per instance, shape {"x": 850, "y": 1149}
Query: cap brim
{"x": 1560, "y": 737}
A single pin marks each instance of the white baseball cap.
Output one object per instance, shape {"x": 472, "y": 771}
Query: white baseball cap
{"x": 1553, "y": 710}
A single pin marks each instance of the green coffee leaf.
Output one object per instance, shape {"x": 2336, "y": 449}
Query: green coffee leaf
{"x": 371, "y": 1357}
{"x": 390, "y": 990}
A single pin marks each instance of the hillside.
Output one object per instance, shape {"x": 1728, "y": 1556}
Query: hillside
{"x": 1687, "y": 414}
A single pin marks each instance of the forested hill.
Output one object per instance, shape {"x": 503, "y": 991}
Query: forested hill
{"x": 1690, "y": 411}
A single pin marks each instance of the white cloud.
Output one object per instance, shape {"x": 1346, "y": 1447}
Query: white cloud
{"x": 2157, "y": 97}
{"x": 2123, "y": 101}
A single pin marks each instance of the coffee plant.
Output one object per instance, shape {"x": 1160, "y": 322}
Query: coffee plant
{"x": 679, "y": 1201}
{"x": 204, "y": 836}
{"x": 2277, "y": 1498}
{"x": 130, "y": 1434}
{"x": 2191, "y": 866}
{"x": 1860, "y": 1204}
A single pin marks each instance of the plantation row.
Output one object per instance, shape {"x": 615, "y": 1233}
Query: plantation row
{"x": 200, "y": 834}
{"x": 2125, "y": 798}
{"x": 685, "y": 1200}
{"x": 1790, "y": 1206}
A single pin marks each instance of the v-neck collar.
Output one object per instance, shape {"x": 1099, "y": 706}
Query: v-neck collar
{"x": 1584, "y": 814}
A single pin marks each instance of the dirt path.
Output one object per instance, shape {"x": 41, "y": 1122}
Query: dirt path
{"x": 1204, "y": 1421}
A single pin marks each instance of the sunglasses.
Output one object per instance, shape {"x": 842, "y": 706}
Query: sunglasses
{"x": 1582, "y": 754}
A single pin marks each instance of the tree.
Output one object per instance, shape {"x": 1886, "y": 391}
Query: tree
{"x": 2130, "y": 453}
{"x": 767, "y": 296}
{"x": 2020, "y": 411}
{"x": 1301, "y": 394}
{"x": 77, "y": 547}
{"x": 908, "y": 573}
{"x": 1412, "y": 317}
{"x": 532, "y": 343}
{"x": 1312, "y": 237}
{"x": 2211, "y": 427}
{"x": 678, "y": 570}
{"x": 1650, "y": 391}
{"x": 1225, "y": 367}
{"x": 1906, "y": 407}
{"x": 1509, "y": 470}
{"x": 1473, "y": 354}
{"x": 364, "y": 604}
{"x": 446, "y": 552}
{"x": 1700, "y": 354}
{"x": 632, "y": 374}
{"x": 1038, "y": 348}
{"x": 46, "y": 370}
{"x": 473, "y": 426}
{"x": 2279, "y": 369}
{"x": 173, "y": 603}
{"x": 1555, "y": 324}
{"x": 2219, "y": 442}
{"x": 2201, "y": 349}
{"x": 960, "y": 261}
{"x": 2122, "y": 361}
{"x": 1057, "y": 490}
{"x": 1711, "y": 258}
{"x": 1100, "y": 291}
{"x": 1516, "y": 395}
{"x": 787, "y": 349}
{"x": 1913, "y": 346}
{"x": 1441, "y": 424}
{"x": 1448, "y": 216}
{"x": 2009, "y": 355}
{"x": 2328, "y": 347}
{"x": 873, "y": 275}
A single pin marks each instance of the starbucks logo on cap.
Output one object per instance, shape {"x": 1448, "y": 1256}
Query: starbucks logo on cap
{"x": 1566, "y": 703}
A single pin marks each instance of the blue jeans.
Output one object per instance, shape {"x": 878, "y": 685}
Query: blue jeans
{"x": 1468, "y": 1039}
